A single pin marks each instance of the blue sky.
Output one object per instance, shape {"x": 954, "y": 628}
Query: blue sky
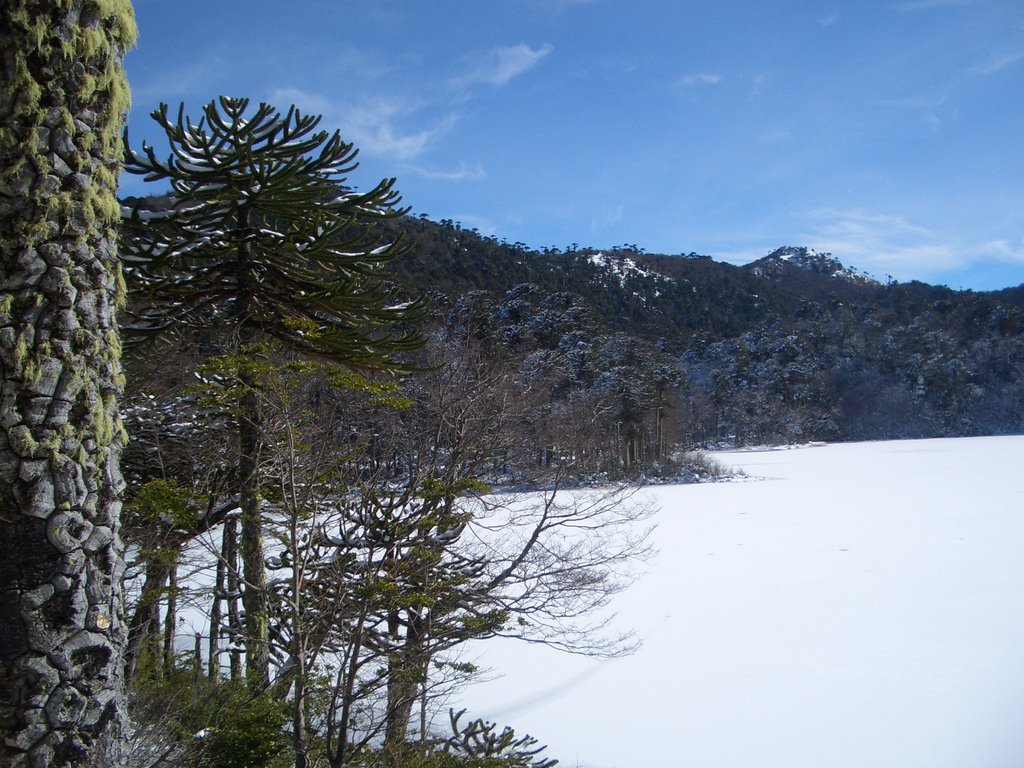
{"x": 889, "y": 133}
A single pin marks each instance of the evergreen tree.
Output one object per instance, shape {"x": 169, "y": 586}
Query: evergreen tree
{"x": 261, "y": 239}
{"x": 63, "y": 98}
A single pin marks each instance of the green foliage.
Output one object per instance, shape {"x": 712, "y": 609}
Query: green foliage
{"x": 262, "y": 236}
{"x": 226, "y": 379}
{"x": 436, "y": 489}
{"x": 248, "y": 732}
{"x": 480, "y": 744}
{"x": 165, "y": 501}
{"x": 475, "y": 745}
{"x": 210, "y": 724}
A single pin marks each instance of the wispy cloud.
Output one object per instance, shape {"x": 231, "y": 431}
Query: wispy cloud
{"x": 172, "y": 84}
{"x": 1004, "y": 251}
{"x": 884, "y": 245}
{"x": 465, "y": 172}
{"x": 374, "y": 125}
{"x": 563, "y": 5}
{"x": 607, "y": 218}
{"x": 774, "y": 135}
{"x": 403, "y": 128}
{"x": 924, "y": 5}
{"x": 758, "y": 82}
{"x": 929, "y": 105}
{"x": 881, "y": 244}
{"x": 830, "y": 20}
{"x": 997, "y": 63}
{"x": 481, "y": 224}
{"x": 911, "y": 102}
{"x": 701, "y": 78}
{"x": 500, "y": 65}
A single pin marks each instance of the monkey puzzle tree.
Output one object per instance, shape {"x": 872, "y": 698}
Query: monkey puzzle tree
{"x": 63, "y": 98}
{"x": 262, "y": 240}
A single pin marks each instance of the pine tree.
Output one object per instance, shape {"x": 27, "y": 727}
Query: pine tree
{"x": 262, "y": 237}
{"x": 63, "y": 98}
{"x": 261, "y": 240}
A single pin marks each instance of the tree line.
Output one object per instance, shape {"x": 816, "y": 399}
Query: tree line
{"x": 320, "y": 482}
{"x": 782, "y": 350}
{"x": 333, "y": 483}
{"x": 323, "y": 414}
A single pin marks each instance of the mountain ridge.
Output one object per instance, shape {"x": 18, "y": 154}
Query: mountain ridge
{"x": 792, "y": 346}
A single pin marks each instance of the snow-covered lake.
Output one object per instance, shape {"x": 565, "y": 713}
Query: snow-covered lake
{"x": 855, "y": 606}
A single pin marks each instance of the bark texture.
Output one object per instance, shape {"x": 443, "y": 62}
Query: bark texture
{"x": 63, "y": 99}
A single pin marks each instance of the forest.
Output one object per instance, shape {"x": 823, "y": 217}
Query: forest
{"x": 274, "y": 450}
{"x": 793, "y": 347}
{"x": 333, "y": 484}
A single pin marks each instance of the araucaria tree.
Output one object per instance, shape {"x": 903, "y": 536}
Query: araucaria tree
{"x": 63, "y": 98}
{"x": 262, "y": 242}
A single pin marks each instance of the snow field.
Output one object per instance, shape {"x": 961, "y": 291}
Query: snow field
{"x": 849, "y": 606}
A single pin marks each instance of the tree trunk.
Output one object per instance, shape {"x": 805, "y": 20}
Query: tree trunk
{"x": 170, "y": 621}
{"x": 213, "y": 649}
{"x": 146, "y": 616}
{"x": 405, "y": 675}
{"x": 63, "y": 99}
{"x": 254, "y": 593}
{"x": 230, "y": 557}
{"x": 250, "y": 443}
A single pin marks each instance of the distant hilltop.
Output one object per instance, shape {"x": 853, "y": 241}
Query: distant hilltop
{"x": 777, "y": 264}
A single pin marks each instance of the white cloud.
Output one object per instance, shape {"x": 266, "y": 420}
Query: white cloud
{"x": 702, "y": 78}
{"x": 830, "y": 20}
{"x": 885, "y": 245}
{"x": 482, "y": 225}
{"x": 373, "y": 128}
{"x": 1004, "y": 251}
{"x": 911, "y": 102}
{"x": 499, "y": 65}
{"x": 996, "y": 63}
{"x": 882, "y": 244}
{"x": 464, "y": 172}
{"x": 758, "y": 82}
{"x": 929, "y": 105}
{"x": 307, "y": 102}
{"x": 774, "y": 135}
{"x": 373, "y": 125}
{"x": 170, "y": 85}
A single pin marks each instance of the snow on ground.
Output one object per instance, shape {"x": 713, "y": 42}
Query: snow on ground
{"x": 859, "y": 606}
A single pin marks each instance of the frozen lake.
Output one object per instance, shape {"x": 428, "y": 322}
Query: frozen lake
{"x": 855, "y": 606}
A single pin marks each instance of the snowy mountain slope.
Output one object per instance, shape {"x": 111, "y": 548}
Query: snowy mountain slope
{"x": 782, "y": 261}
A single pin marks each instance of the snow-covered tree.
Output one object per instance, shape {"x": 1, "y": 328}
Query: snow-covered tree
{"x": 261, "y": 239}
{"x": 260, "y": 236}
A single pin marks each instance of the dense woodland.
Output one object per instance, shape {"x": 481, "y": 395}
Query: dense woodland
{"x": 334, "y": 483}
{"x": 790, "y": 348}
{"x": 322, "y": 514}
{"x": 320, "y": 445}
{"x": 355, "y": 440}
{"x": 536, "y": 372}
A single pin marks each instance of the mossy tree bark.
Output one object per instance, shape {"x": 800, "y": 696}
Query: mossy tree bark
{"x": 63, "y": 98}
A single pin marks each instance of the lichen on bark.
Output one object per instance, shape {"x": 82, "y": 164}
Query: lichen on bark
{"x": 63, "y": 100}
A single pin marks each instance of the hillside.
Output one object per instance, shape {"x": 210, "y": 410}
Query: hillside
{"x": 794, "y": 346}
{"x": 653, "y": 351}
